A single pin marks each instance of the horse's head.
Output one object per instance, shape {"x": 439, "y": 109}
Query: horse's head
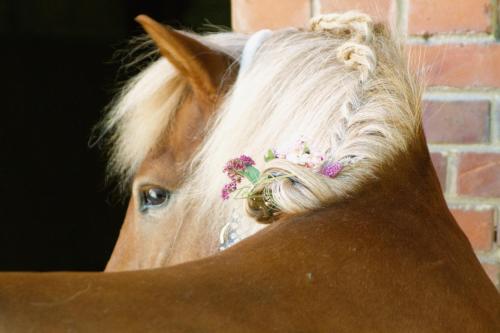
{"x": 158, "y": 123}
{"x": 342, "y": 85}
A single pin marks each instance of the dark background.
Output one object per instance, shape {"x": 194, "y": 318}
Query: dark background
{"x": 58, "y": 73}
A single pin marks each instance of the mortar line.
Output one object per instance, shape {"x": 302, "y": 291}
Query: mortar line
{"x": 495, "y": 121}
{"x": 488, "y": 92}
{"x": 459, "y": 96}
{"x": 469, "y": 205}
{"x": 472, "y": 202}
{"x": 466, "y": 148}
{"x": 494, "y": 19}
{"x": 445, "y": 39}
{"x": 488, "y": 258}
{"x": 402, "y": 9}
{"x": 315, "y": 8}
{"x": 451, "y": 174}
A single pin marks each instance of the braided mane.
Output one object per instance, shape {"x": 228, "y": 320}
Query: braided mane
{"x": 344, "y": 86}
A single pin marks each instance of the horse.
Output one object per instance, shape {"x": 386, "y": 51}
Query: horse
{"x": 369, "y": 248}
{"x": 157, "y": 123}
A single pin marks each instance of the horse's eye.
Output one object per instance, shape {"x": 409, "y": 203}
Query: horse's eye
{"x": 153, "y": 197}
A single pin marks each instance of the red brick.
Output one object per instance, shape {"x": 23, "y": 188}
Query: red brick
{"x": 478, "y": 226}
{"x": 381, "y": 10}
{"x": 445, "y": 16}
{"x": 457, "y": 122}
{"x": 440, "y": 164}
{"x": 493, "y": 272}
{"x": 495, "y": 113}
{"x": 458, "y": 65}
{"x": 479, "y": 174}
{"x": 252, "y": 15}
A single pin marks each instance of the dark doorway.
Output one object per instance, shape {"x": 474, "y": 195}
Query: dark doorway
{"x": 57, "y": 213}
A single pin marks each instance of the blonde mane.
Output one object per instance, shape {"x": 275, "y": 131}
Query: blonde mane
{"x": 345, "y": 88}
{"x": 146, "y": 105}
{"x": 343, "y": 85}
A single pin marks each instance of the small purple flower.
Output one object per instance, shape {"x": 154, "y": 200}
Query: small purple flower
{"x": 246, "y": 160}
{"x": 331, "y": 169}
{"x": 233, "y": 169}
{"x": 227, "y": 189}
{"x": 238, "y": 164}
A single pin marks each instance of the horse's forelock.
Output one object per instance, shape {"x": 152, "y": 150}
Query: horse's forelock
{"x": 146, "y": 106}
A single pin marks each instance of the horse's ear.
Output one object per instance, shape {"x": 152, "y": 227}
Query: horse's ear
{"x": 201, "y": 66}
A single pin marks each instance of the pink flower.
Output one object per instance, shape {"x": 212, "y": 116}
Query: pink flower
{"x": 238, "y": 164}
{"x": 331, "y": 169}
{"x": 247, "y": 160}
{"x": 227, "y": 189}
{"x": 233, "y": 169}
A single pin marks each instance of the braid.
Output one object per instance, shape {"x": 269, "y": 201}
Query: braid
{"x": 355, "y": 53}
{"x": 297, "y": 189}
{"x": 357, "y": 28}
{"x": 359, "y": 57}
{"x": 351, "y": 24}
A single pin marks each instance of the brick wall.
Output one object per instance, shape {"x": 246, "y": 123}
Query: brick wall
{"x": 456, "y": 45}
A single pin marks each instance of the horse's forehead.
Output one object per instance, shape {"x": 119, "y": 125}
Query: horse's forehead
{"x": 160, "y": 167}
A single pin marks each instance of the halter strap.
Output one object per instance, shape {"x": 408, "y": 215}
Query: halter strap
{"x": 251, "y": 47}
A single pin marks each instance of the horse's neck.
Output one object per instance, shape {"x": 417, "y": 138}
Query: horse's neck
{"x": 407, "y": 182}
{"x": 407, "y": 191}
{"x": 408, "y": 209}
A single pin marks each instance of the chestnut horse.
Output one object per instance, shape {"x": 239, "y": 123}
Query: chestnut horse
{"x": 374, "y": 249}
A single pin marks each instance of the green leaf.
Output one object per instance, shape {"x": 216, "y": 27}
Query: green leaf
{"x": 306, "y": 149}
{"x": 252, "y": 174}
{"x": 269, "y": 156}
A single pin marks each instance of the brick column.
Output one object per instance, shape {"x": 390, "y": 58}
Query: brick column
{"x": 455, "y": 46}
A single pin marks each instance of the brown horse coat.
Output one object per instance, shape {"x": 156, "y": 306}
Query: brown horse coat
{"x": 389, "y": 260}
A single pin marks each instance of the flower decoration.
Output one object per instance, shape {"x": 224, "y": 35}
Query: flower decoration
{"x": 331, "y": 169}
{"x": 301, "y": 154}
{"x": 236, "y": 169}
